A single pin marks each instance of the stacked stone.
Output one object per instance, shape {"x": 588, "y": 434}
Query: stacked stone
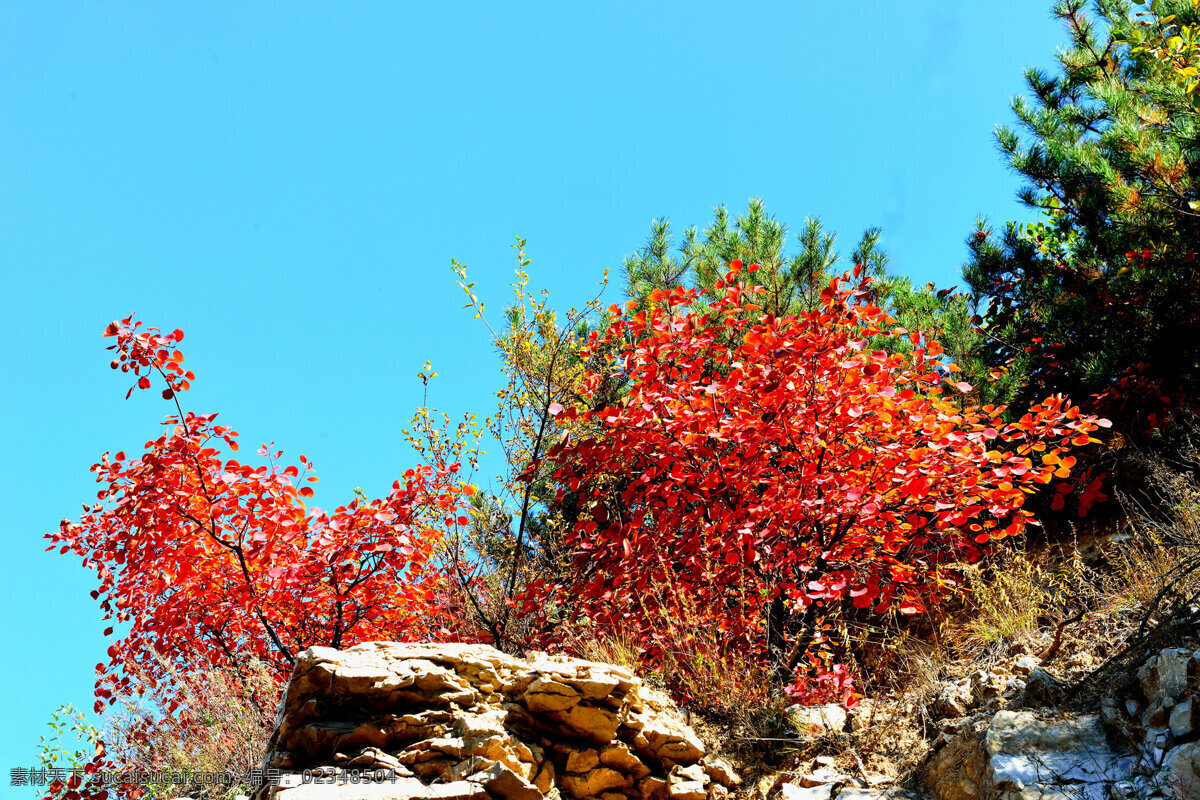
{"x": 384, "y": 721}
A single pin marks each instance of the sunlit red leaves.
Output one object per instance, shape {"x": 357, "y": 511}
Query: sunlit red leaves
{"x": 208, "y": 561}
{"x": 757, "y": 456}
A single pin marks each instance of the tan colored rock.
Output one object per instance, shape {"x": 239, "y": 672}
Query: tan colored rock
{"x": 620, "y": 757}
{"x": 466, "y": 722}
{"x": 954, "y": 700}
{"x": 653, "y": 787}
{"x": 501, "y": 782}
{"x": 957, "y": 770}
{"x": 687, "y": 783}
{"x": 581, "y": 761}
{"x": 598, "y": 724}
{"x": 662, "y": 735}
{"x": 543, "y": 778}
{"x": 548, "y": 695}
{"x": 594, "y": 783}
{"x": 721, "y": 771}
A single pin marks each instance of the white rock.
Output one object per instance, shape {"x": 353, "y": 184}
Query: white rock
{"x": 794, "y": 791}
{"x": 817, "y": 719}
{"x": 821, "y": 776}
{"x": 1028, "y": 757}
{"x": 1026, "y": 664}
{"x": 1183, "y": 721}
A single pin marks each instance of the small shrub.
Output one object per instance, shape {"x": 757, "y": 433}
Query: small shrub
{"x": 221, "y": 726}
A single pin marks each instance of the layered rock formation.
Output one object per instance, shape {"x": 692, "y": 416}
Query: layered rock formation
{"x": 1140, "y": 747}
{"x": 384, "y": 721}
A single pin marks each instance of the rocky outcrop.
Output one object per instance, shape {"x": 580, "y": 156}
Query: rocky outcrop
{"x": 1143, "y": 746}
{"x": 389, "y": 721}
{"x": 1022, "y": 755}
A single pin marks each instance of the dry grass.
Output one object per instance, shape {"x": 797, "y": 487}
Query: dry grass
{"x": 221, "y": 727}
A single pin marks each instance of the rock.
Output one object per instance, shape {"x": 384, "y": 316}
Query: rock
{"x": 827, "y": 718}
{"x": 1017, "y": 756}
{"x": 955, "y": 699}
{"x": 1154, "y": 748}
{"x": 581, "y": 761}
{"x": 687, "y": 783}
{"x": 1116, "y": 723}
{"x": 549, "y": 695}
{"x": 502, "y": 782}
{"x": 819, "y": 777}
{"x": 618, "y": 756}
{"x": 596, "y": 782}
{"x": 1158, "y": 715}
{"x": 391, "y": 721}
{"x": 1181, "y": 772}
{"x": 1026, "y": 664}
{"x": 1031, "y": 758}
{"x": 1164, "y": 676}
{"x": 793, "y": 791}
{"x": 957, "y": 770}
{"x": 1184, "y": 719}
{"x": 1042, "y": 688}
{"x": 1013, "y": 687}
{"x": 721, "y": 771}
{"x": 986, "y": 684}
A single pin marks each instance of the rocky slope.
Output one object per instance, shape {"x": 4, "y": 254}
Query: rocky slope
{"x": 387, "y": 721}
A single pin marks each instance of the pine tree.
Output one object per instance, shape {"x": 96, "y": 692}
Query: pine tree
{"x": 794, "y": 281}
{"x": 1100, "y": 298}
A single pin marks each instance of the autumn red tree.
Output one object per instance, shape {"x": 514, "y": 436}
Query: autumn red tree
{"x": 207, "y": 561}
{"x": 763, "y": 475}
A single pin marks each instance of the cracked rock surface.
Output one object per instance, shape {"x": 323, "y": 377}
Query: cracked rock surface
{"x": 391, "y": 721}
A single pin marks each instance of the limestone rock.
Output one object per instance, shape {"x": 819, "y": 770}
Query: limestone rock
{"x": 955, "y": 699}
{"x": 391, "y": 721}
{"x": 687, "y": 783}
{"x": 830, "y": 717}
{"x": 1042, "y": 688}
{"x": 1164, "y": 676}
{"x": 1017, "y": 756}
{"x": 1026, "y": 664}
{"x": 821, "y": 776}
{"x": 1181, "y": 771}
{"x": 987, "y": 684}
{"x": 957, "y": 771}
{"x": 1184, "y": 718}
{"x": 1030, "y": 758}
{"x": 793, "y": 791}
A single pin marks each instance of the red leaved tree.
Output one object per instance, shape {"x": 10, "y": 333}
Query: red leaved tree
{"x": 762, "y": 476}
{"x": 210, "y": 562}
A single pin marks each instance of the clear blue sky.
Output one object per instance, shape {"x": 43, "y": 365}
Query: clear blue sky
{"x": 288, "y": 182}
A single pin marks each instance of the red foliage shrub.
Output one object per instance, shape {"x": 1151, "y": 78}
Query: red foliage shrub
{"x": 210, "y": 562}
{"x": 762, "y": 476}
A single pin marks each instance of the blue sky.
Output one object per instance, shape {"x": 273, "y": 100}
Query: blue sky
{"x": 287, "y": 182}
